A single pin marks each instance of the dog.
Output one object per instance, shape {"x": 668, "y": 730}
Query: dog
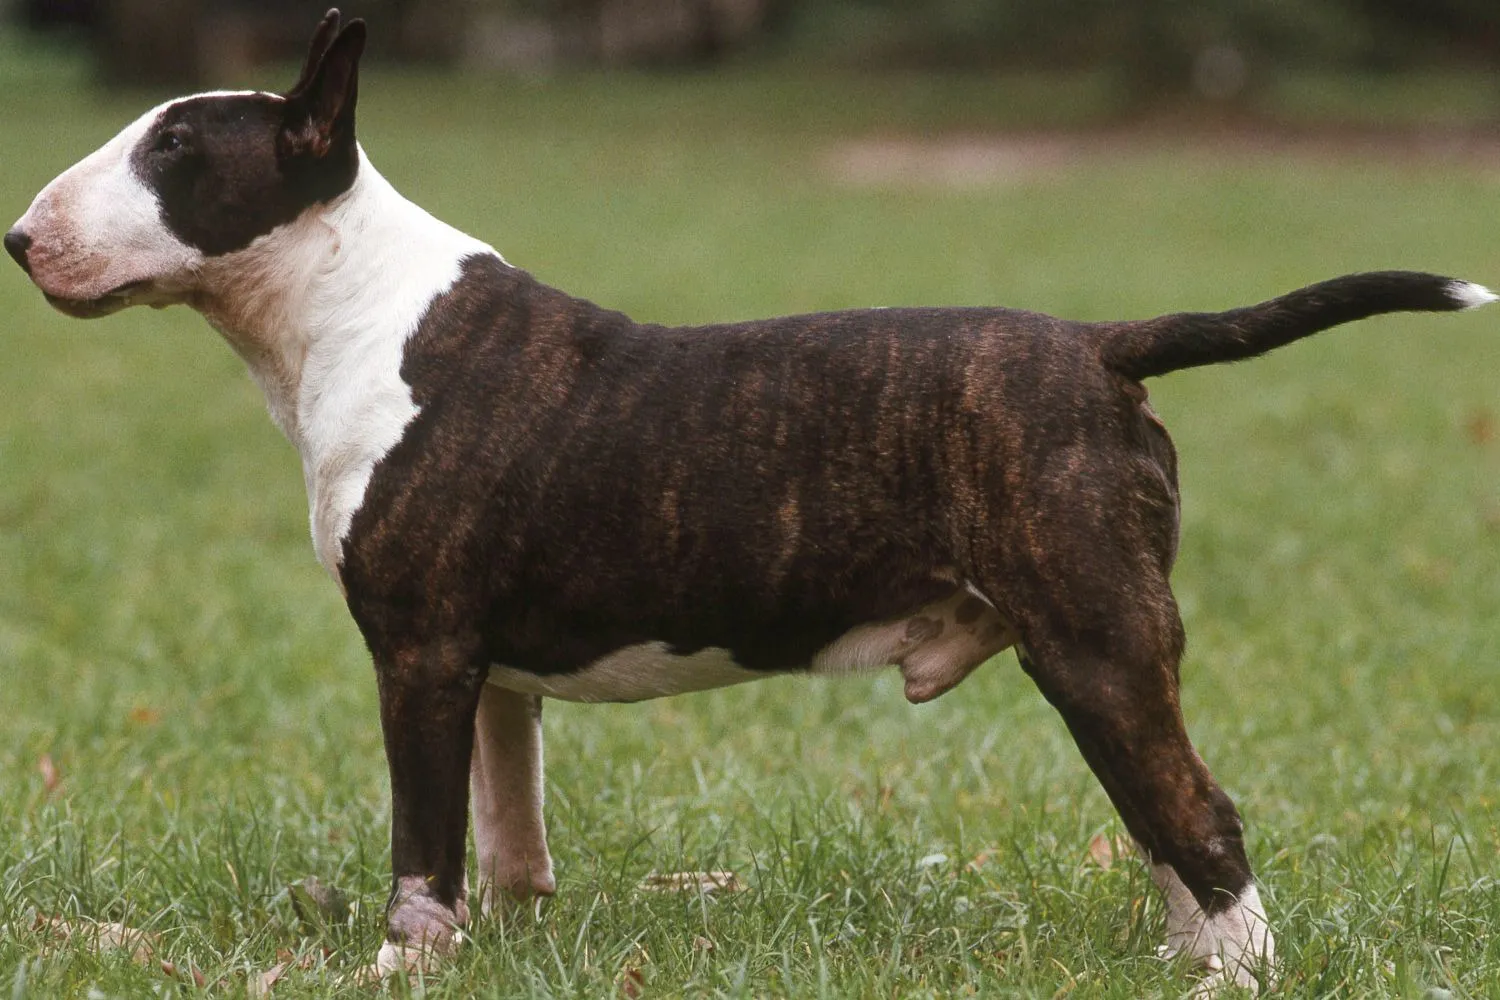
{"x": 523, "y": 495}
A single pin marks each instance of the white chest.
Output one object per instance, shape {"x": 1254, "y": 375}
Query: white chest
{"x": 331, "y": 344}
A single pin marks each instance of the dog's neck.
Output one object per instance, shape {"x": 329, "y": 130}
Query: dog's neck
{"x": 320, "y": 310}
{"x": 358, "y": 270}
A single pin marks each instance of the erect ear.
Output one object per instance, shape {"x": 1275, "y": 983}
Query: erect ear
{"x": 319, "y": 113}
{"x": 321, "y": 39}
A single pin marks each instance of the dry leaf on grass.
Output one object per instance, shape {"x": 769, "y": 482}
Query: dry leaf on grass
{"x": 1480, "y": 426}
{"x": 51, "y": 778}
{"x": 144, "y": 715}
{"x": 1104, "y": 851}
{"x": 187, "y": 972}
{"x": 370, "y": 976}
{"x": 632, "y": 981}
{"x": 261, "y": 985}
{"x": 142, "y": 946}
{"x": 102, "y": 935}
{"x": 715, "y": 881}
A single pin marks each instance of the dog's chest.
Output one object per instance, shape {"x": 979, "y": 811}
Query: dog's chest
{"x": 352, "y": 404}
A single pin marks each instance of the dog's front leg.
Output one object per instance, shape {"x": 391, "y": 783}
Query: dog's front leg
{"x": 510, "y": 836}
{"x": 428, "y": 697}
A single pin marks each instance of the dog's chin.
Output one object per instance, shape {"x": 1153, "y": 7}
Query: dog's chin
{"x": 112, "y": 301}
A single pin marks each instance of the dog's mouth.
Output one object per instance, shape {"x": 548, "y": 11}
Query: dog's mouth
{"x": 111, "y": 301}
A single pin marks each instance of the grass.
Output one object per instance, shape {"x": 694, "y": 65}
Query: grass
{"x": 169, "y": 644}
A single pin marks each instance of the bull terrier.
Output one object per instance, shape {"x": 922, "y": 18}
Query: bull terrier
{"x": 523, "y": 495}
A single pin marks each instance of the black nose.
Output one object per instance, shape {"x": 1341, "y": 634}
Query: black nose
{"x": 16, "y": 244}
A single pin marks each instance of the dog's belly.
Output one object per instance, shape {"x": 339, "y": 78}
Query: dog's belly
{"x": 634, "y": 673}
{"x": 935, "y": 647}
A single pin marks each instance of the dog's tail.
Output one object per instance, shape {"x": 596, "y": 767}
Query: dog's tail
{"x": 1185, "y": 340}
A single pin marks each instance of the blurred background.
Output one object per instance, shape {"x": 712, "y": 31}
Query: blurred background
{"x": 1154, "y": 52}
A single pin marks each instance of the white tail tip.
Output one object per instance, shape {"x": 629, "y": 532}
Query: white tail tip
{"x": 1469, "y": 295}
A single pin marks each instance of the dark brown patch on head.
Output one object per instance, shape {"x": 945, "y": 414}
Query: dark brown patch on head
{"x": 212, "y": 163}
{"x": 229, "y": 168}
{"x": 968, "y": 611}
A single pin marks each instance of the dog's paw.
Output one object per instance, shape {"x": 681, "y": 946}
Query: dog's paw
{"x": 1220, "y": 978}
{"x": 1248, "y": 971}
{"x": 1235, "y": 947}
{"x": 1211, "y": 986}
{"x": 1187, "y": 937}
{"x": 421, "y": 931}
{"x": 399, "y": 957}
{"x": 513, "y": 890}
{"x": 1245, "y": 943}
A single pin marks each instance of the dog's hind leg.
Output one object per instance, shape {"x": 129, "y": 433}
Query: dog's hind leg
{"x": 1115, "y": 683}
{"x": 429, "y": 694}
{"x": 1081, "y": 571}
{"x": 510, "y": 836}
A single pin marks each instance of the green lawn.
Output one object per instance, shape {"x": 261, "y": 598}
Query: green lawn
{"x": 169, "y": 644}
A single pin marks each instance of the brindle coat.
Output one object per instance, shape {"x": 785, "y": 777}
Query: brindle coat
{"x": 577, "y": 483}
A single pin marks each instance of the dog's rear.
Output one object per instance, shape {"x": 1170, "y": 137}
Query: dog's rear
{"x": 517, "y": 487}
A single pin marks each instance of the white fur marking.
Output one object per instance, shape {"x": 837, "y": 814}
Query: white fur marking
{"x": 97, "y": 227}
{"x": 931, "y": 663}
{"x": 863, "y": 648}
{"x": 1469, "y": 295}
{"x": 225, "y": 93}
{"x": 510, "y": 833}
{"x": 1185, "y": 917}
{"x": 973, "y": 591}
{"x": 1241, "y": 937}
{"x": 321, "y": 309}
{"x": 393, "y": 958}
{"x": 636, "y": 673}
{"x": 1235, "y": 945}
{"x": 391, "y": 260}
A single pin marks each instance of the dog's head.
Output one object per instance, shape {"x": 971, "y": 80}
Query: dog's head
{"x": 194, "y": 179}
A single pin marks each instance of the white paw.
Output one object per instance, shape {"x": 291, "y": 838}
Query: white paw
{"x": 1235, "y": 946}
{"x": 395, "y": 957}
{"x": 1220, "y": 979}
{"x": 422, "y": 932}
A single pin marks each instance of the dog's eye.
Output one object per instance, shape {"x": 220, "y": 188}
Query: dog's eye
{"x": 168, "y": 142}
